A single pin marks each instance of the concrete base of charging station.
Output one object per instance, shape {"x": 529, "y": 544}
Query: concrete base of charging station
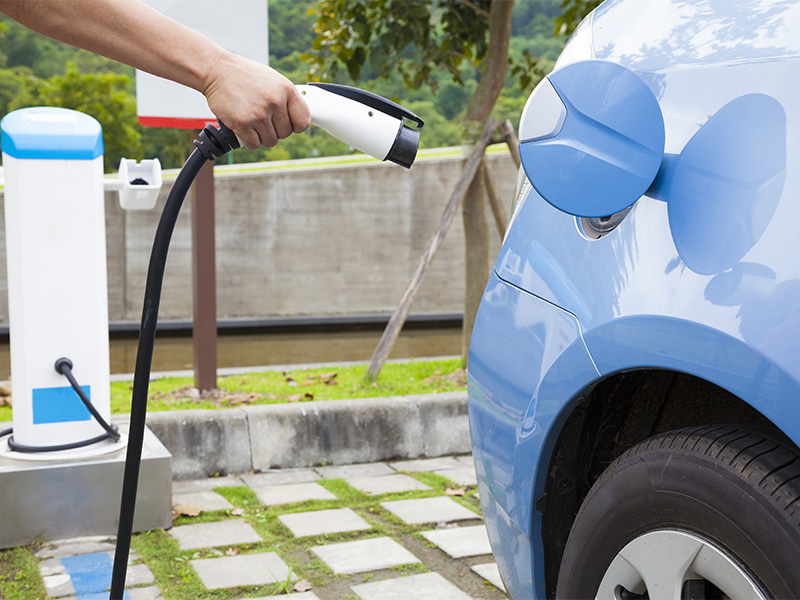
{"x": 64, "y": 499}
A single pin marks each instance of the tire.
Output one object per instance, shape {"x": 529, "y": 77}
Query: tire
{"x": 731, "y": 491}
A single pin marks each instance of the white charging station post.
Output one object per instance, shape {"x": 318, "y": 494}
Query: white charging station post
{"x": 57, "y": 282}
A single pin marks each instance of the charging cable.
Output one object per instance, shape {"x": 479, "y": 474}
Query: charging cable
{"x": 213, "y": 143}
{"x": 64, "y": 366}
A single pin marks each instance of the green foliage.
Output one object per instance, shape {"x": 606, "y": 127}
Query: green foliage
{"x": 104, "y": 96}
{"x": 398, "y": 36}
{"x": 291, "y": 27}
{"x": 572, "y": 13}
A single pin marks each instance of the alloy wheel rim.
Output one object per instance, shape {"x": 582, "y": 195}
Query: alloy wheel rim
{"x": 659, "y": 564}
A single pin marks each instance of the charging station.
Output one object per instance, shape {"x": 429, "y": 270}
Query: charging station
{"x": 61, "y": 469}
{"x": 57, "y": 283}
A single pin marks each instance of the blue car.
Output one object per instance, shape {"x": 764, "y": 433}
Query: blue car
{"x": 634, "y": 372}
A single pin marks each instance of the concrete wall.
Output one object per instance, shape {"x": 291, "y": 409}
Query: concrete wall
{"x": 303, "y": 241}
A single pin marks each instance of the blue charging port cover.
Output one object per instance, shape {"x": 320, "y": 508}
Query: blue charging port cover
{"x": 593, "y": 147}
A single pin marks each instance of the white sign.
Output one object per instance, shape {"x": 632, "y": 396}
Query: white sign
{"x": 237, "y": 25}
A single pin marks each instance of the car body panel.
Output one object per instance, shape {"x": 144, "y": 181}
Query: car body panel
{"x": 515, "y": 413}
{"x": 702, "y": 276}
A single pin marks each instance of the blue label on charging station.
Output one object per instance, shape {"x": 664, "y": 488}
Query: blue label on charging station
{"x": 59, "y": 405}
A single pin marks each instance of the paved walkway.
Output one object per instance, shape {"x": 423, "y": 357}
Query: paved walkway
{"x": 380, "y": 531}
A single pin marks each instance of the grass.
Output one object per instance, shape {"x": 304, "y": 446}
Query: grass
{"x": 274, "y": 387}
{"x": 19, "y": 575}
{"x": 271, "y": 387}
{"x": 178, "y": 580}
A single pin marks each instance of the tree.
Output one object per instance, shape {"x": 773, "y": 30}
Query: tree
{"x": 104, "y": 96}
{"x": 468, "y": 39}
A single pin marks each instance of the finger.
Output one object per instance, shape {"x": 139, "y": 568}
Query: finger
{"x": 250, "y": 139}
{"x": 282, "y": 124}
{"x": 299, "y": 113}
{"x": 266, "y": 132}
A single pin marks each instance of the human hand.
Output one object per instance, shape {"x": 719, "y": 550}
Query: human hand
{"x": 259, "y": 104}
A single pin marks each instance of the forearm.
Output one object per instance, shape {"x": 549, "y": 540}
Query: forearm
{"x": 257, "y": 102}
{"x": 130, "y": 32}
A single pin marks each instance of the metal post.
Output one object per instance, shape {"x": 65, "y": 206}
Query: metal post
{"x": 204, "y": 281}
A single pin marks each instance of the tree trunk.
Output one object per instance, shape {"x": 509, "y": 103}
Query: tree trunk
{"x": 476, "y": 228}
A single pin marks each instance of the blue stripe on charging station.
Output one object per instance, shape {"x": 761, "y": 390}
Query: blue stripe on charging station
{"x": 90, "y": 575}
{"x": 59, "y": 405}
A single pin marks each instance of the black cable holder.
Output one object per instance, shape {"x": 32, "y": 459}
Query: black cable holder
{"x": 212, "y": 144}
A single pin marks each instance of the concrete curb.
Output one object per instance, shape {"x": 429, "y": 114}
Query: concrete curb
{"x": 334, "y": 432}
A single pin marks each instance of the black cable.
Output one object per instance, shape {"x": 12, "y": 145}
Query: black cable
{"x": 64, "y": 367}
{"x": 212, "y": 144}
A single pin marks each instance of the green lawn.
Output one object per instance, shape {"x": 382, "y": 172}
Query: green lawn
{"x": 326, "y": 383}
{"x": 304, "y": 385}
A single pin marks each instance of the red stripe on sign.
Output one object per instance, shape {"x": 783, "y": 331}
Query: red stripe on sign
{"x": 175, "y": 122}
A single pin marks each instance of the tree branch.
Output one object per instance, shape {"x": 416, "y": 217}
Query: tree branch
{"x": 475, "y": 7}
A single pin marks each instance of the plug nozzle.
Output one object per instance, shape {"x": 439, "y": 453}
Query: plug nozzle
{"x": 404, "y": 150}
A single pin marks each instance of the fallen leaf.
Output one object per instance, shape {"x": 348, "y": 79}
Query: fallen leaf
{"x": 190, "y": 510}
{"x": 232, "y": 551}
{"x": 294, "y": 398}
{"x": 237, "y": 512}
{"x": 309, "y": 396}
{"x": 455, "y": 492}
{"x": 331, "y": 382}
{"x": 326, "y": 377}
{"x": 5, "y": 391}
{"x": 302, "y": 586}
{"x": 307, "y": 383}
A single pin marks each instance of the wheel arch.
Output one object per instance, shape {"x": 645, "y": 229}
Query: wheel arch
{"x": 614, "y": 414}
{"x": 657, "y": 374}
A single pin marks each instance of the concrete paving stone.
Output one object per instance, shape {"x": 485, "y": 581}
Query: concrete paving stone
{"x": 75, "y": 547}
{"x": 459, "y": 542}
{"x": 429, "y": 510}
{"x": 292, "y": 492}
{"x": 320, "y": 522}
{"x": 246, "y": 569}
{"x": 490, "y": 573}
{"x": 362, "y": 470}
{"x": 138, "y": 575}
{"x": 144, "y": 593}
{"x": 208, "y": 500}
{"x": 58, "y": 585}
{"x": 364, "y": 555}
{"x": 132, "y": 556}
{"x": 300, "y": 596}
{"x": 465, "y": 460}
{"x": 386, "y": 484}
{"x": 208, "y": 484}
{"x": 219, "y": 533}
{"x": 280, "y": 477}
{"x": 427, "y": 586}
{"x": 89, "y": 573}
{"x": 426, "y": 464}
{"x": 460, "y": 475}
{"x": 51, "y": 566}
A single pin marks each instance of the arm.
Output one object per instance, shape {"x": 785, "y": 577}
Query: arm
{"x": 258, "y": 103}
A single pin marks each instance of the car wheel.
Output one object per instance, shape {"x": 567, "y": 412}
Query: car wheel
{"x": 706, "y": 512}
